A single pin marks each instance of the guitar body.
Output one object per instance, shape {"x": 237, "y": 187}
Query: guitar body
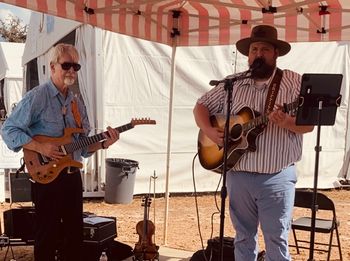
{"x": 45, "y": 171}
{"x": 211, "y": 156}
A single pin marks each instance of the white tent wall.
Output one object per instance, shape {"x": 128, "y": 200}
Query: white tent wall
{"x": 11, "y": 72}
{"x": 137, "y": 84}
{"x": 43, "y": 32}
{"x": 143, "y": 89}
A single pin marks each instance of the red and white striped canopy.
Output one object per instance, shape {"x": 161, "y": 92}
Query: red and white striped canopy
{"x": 205, "y": 22}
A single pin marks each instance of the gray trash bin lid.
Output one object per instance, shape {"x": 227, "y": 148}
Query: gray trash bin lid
{"x": 121, "y": 163}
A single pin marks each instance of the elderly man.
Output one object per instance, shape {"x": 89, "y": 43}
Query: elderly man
{"x": 46, "y": 111}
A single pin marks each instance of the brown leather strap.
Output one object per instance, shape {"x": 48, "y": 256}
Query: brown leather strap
{"x": 273, "y": 90}
{"x": 75, "y": 112}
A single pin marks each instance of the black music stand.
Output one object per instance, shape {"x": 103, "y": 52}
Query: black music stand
{"x": 318, "y": 101}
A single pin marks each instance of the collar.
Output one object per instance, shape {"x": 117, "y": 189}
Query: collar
{"x": 266, "y": 82}
{"x": 53, "y": 91}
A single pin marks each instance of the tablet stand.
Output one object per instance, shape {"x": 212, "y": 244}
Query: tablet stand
{"x": 318, "y": 101}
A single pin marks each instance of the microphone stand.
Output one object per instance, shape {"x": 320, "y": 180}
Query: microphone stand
{"x": 229, "y": 82}
{"x": 228, "y": 88}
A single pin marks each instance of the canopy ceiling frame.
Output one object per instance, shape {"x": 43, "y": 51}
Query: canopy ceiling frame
{"x": 202, "y": 23}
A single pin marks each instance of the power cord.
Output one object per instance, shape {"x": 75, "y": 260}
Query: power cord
{"x": 197, "y": 210}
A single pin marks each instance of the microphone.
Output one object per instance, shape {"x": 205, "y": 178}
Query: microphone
{"x": 236, "y": 76}
{"x": 258, "y": 62}
{"x": 214, "y": 82}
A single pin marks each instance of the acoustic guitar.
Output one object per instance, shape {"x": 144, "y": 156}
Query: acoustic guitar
{"x": 44, "y": 170}
{"x": 244, "y": 128}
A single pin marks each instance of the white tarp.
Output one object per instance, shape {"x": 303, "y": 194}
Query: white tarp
{"x": 134, "y": 82}
{"x": 138, "y": 86}
{"x": 44, "y": 31}
{"x": 11, "y": 71}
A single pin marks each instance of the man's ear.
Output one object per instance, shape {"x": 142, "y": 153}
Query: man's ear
{"x": 277, "y": 53}
{"x": 52, "y": 66}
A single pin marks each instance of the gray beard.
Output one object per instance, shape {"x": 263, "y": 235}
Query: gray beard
{"x": 69, "y": 81}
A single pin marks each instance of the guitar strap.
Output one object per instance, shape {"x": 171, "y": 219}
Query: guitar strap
{"x": 273, "y": 90}
{"x": 75, "y": 112}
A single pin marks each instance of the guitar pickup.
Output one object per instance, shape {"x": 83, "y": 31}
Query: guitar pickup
{"x": 63, "y": 149}
{"x": 43, "y": 159}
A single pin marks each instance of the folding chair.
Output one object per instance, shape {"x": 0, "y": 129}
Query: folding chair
{"x": 304, "y": 199}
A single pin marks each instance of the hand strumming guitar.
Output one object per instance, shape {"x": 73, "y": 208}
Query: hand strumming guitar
{"x": 216, "y": 135}
{"x": 286, "y": 121}
{"x": 46, "y": 149}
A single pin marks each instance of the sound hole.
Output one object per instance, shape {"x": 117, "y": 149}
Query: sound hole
{"x": 236, "y": 131}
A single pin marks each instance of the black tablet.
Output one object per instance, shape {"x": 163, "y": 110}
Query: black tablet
{"x": 319, "y": 98}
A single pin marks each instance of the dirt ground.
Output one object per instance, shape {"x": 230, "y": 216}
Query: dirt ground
{"x": 188, "y": 229}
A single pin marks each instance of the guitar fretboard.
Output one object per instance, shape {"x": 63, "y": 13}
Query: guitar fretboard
{"x": 86, "y": 141}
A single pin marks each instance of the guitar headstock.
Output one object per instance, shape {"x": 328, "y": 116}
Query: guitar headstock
{"x": 136, "y": 121}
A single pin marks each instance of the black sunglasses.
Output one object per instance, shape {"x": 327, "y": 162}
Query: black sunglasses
{"x": 67, "y": 66}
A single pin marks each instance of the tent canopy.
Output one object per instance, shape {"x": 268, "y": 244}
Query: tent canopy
{"x": 202, "y": 22}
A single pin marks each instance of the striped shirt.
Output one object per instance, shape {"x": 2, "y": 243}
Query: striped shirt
{"x": 277, "y": 148}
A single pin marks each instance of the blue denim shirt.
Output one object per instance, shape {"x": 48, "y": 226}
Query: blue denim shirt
{"x": 40, "y": 113}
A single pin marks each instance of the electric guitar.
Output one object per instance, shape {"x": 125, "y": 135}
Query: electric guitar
{"x": 44, "y": 170}
{"x": 244, "y": 128}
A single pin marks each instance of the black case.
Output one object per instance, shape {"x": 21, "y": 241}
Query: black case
{"x": 99, "y": 232}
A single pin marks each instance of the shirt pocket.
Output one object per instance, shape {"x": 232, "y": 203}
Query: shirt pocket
{"x": 52, "y": 123}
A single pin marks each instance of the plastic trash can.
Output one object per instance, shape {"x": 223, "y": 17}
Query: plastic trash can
{"x": 120, "y": 180}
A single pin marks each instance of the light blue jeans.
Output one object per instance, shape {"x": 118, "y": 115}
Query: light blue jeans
{"x": 267, "y": 199}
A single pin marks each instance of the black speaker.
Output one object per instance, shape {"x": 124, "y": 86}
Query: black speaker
{"x": 212, "y": 250}
{"x": 20, "y": 187}
{"x": 19, "y": 223}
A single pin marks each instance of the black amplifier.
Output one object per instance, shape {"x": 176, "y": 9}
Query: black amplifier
{"x": 19, "y": 223}
{"x": 98, "y": 229}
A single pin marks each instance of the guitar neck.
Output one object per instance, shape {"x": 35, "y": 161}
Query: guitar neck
{"x": 86, "y": 141}
{"x": 258, "y": 121}
{"x": 264, "y": 119}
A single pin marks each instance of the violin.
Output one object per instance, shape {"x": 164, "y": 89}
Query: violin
{"x": 145, "y": 249}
